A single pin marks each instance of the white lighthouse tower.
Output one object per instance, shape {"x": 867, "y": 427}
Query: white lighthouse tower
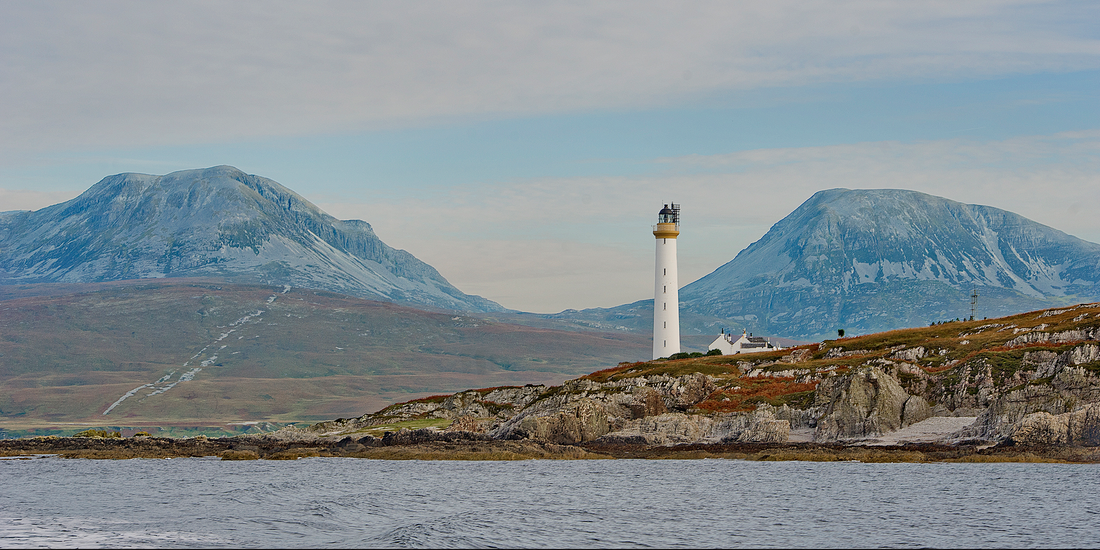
{"x": 666, "y": 294}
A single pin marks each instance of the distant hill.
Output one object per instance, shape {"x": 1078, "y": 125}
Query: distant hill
{"x": 183, "y": 351}
{"x": 216, "y": 222}
{"x": 873, "y": 260}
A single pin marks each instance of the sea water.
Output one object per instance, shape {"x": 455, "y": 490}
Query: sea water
{"x": 317, "y": 502}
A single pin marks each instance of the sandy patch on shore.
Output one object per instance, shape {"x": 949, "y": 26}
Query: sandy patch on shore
{"x": 925, "y": 431}
{"x": 802, "y": 435}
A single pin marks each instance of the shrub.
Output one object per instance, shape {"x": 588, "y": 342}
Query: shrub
{"x": 714, "y": 352}
{"x": 93, "y": 432}
{"x": 685, "y": 355}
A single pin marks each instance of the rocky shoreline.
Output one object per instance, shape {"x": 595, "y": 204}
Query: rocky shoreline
{"x": 1030, "y": 380}
{"x": 1021, "y": 388}
{"x": 428, "y": 444}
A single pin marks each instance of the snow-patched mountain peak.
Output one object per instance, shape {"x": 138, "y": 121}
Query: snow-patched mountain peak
{"x": 214, "y": 222}
{"x": 886, "y": 258}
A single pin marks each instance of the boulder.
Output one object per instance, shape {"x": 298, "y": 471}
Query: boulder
{"x": 866, "y": 402}
{"x": 916, "y": 408}
{"x": 580, "y": 421}
{"x": 693, "y": 389}
{"x": 646, "y": 402}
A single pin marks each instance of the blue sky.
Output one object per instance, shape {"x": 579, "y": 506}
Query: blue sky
{"x": 524, "y": 150}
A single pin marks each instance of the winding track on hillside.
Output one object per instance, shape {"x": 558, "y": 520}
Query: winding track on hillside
{"x": 204, "y": 359}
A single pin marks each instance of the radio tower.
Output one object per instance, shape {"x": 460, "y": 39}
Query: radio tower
{"x": 973, "y": 301}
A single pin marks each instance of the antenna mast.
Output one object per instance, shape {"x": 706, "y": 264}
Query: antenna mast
{"x": 973, "y": 301}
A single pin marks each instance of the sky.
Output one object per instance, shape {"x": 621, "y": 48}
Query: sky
{"x": 524, "y": 148}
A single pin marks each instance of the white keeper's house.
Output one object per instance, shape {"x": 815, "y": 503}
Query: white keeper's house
{"x": 729, "y": 344}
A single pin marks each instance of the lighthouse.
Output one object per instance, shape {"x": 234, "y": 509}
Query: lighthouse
{"x": 666, "y": 294}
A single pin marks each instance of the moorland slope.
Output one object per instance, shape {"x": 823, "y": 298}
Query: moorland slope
{"x": 183, "y": 351}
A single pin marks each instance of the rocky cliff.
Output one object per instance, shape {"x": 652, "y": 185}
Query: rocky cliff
{"x": 1032, "y": 379}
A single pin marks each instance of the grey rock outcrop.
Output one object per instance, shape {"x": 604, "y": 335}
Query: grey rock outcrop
{"x": 796, "y": 419}
{"x": 468, "y": 409}
{"x": 608, "y": 407}
{"x": 866, "y": 402}
{"x": 1056, "y": 337}
{"x": 759, "y": 426}
{"x": 578, "y": 422}
{"x": 909, "y": 354}
{"x": 1069, "y": 388}
{"x": 1080, "y": 427}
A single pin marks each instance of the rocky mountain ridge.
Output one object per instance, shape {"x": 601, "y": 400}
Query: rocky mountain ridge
{"x": 868, "y": 260}
{"x": 877, "y": 259}
{"x": 1029, "y": 379}
{"x": 217, "y": 222}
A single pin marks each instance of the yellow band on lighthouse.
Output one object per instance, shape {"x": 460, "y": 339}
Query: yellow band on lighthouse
{"x": 665, "y": 231}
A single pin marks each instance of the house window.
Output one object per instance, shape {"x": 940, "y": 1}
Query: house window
{"x": 665, "y": 289}
{"x": 664, "y": 271}
{"x": 666, "y": 324}
{"x": 665, "y": 343}
{"x": 664, "y": 306}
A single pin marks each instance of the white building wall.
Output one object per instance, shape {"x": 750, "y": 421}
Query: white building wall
{"x": 666, "y": 301}
{"x": 728, "y": 345}
{"x": 722, "y": 344}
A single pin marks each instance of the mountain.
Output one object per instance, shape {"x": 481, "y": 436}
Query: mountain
{"x": 216, "y": 222}
{"x": 870, "y": 260}
{"x": 874, "y": 260}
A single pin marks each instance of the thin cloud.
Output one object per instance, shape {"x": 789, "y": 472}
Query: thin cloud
{"x": 521, "y": 242}
{"x": 136, "y": 73}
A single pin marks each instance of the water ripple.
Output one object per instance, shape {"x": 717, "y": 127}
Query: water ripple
{"x": 538, "y": 504}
